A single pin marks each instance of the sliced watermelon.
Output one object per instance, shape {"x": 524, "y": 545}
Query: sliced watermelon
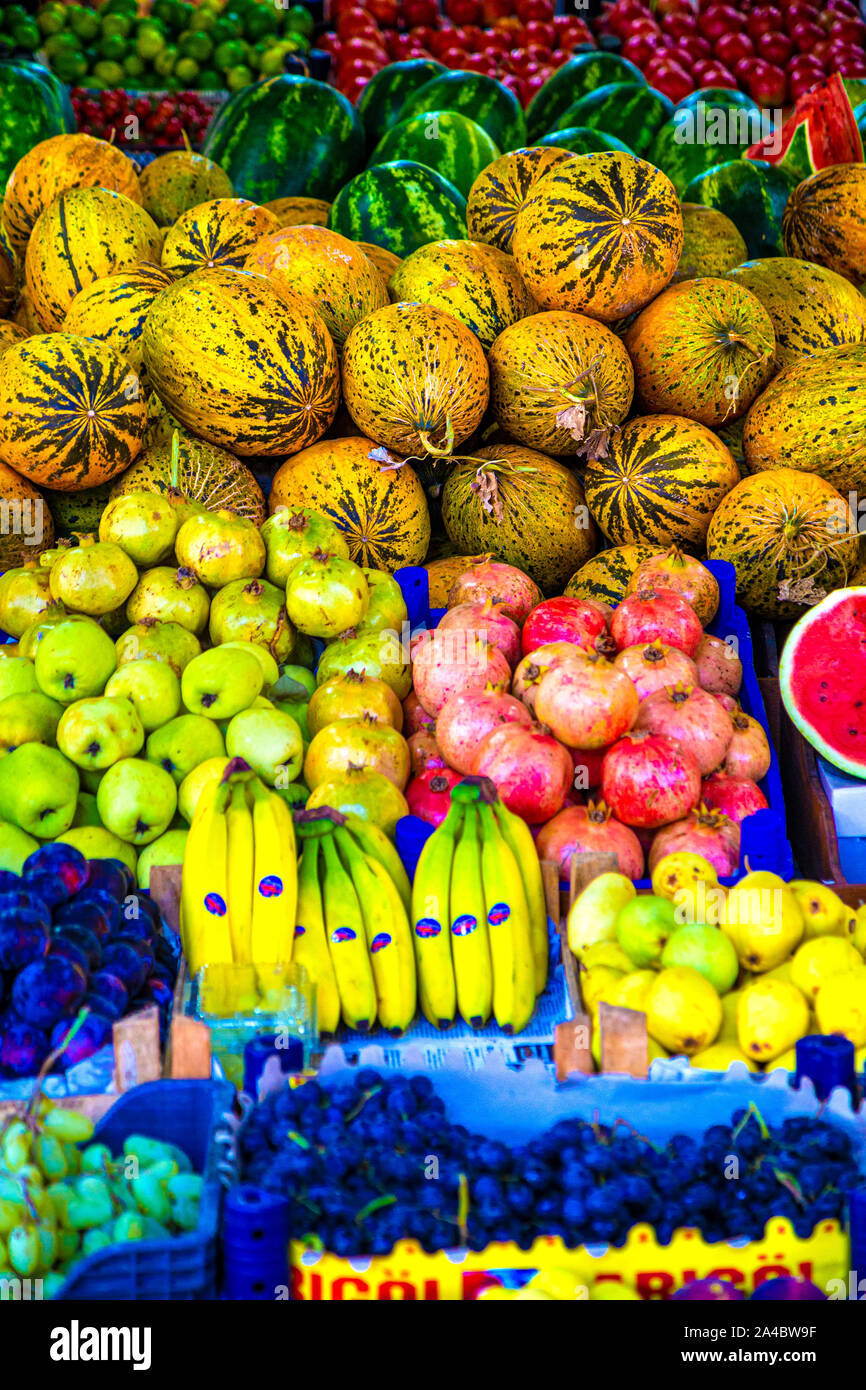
{"x": 821, "y": 131}
{"x": 822, "y": 677}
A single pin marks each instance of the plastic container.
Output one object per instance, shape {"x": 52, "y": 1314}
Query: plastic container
{"x": 188, "y": 1114}
{"x": 255, "y": 1243}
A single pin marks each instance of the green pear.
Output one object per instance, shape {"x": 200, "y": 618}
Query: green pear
{"x": 30, "y": 718}
{"x": 763, "y": 921}
{"x": 183, "y": 743}
{"x": 771, "y": 1016}
{"x": 270, "y": 741}
{"x": 293, "y": 534}
{"x": 683, "y": 1011}
{"x": 168, "y": 849}
{"x": 25, "y": 596}
{"x": 221, "y": 682}
{"x": 86, "y": 812}
{"x": 93, "y": 579}
{"x": 155, "y": 641}
{"x": 270, "y": 669}
{"x": 136, "y": 800}
{"x": 253, "y": 610}
{"x": 153, "y": 688}
{"x": 387, "y": 609}
{"x": 73, "y": 661}
{"x": 143, "y": 524}
{"x": 644, "y": 926}
{"x": 15, "y": 846}
{"x": 95, "y": 842}
{"x": 705, "y": 949}
{"x": 17, "y": 677}
{"x": 96, "y": 733}
{"x": 219, "y": 547}
{"x": 38, "y": 790}
{"x": 170, "y": 596}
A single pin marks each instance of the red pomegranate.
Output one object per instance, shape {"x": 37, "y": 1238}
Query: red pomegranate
{"x": 586, "y": 703}
{"x": 503, "y": 584}
{"x": 446, "y": 662}
{"x": 492, "y": 624}
{"x": 586, "y": 830}
{"x": 720, "y": 670}
{"x": 693, "y": 718}
{"x": 587, "y": 767}
{"x": 708, "y": 833}
{"x": 424, "y": 753}
{"x": 648, "y": 780}
{"x": 652, "y": 667}
{"x": 748, "y": 752}
{"x": 683, "y": 575}
{"x": 531, "y": 771}
{"x": 524, "y": 683}
{"x": 651, "y": 615}
{"x": 468, "y": 716}
{"x": 736, "y": 797}
{"x": 416, "y": 719}
{"x": 567, "y": 620}
{"x": 727, "y": 702}
{"x": 429, "y": 795}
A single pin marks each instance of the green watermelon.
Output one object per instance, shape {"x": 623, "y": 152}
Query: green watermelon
{"x": 287, "y": 137}
{"x": 400, "y": 206}
{"x": 581, "y": 140}
{"x": 380, "y": 101}
{"x": 856, "y": 89}
{"x": 571, "y": 82}
{"x": 484, "y": 100}
{"x": 452, "y": 144}
{"x": 821, "y": 131}
{"x": 698, "y": 137}
{"x": 715, "y": 96}
{"x": 753, "y": 195}
{"x": 56, "y": 92}
{"x": 31, "y": 110}
{"x": 628, "y": 110}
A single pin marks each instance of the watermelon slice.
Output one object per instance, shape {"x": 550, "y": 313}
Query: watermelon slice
{"x": 822, "y": 676}
{"x": 821, "y": 131}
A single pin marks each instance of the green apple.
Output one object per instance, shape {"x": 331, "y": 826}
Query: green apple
{"x": 221, "y": 682}
{"x": 96, "y": 733}
{"x": 17, "y": 677}
{"x": 95, "y": 842}
{"x": 157, "y": 641}
{"x": 705, "y": 949}
{"x": 269, "y": 740}
{"x": 38, "y": 790}
{"x": 73, "y": 661}
{"x": 30, "y": 718}
{"x": 136, "y": 800}
{"x": 183, "y": 743}
{"x": 168, "y": 849}
{"x": 643, "y": 928}
{"x": 86, "y": 812}
{"x": 32, "y": 635}
{"x": 153, "y": 688}
{"x": 270, "y": 669}
{"x": 15, "y": 846}
{"x": 206, "y": 775}
{"x": 296, "y": 712}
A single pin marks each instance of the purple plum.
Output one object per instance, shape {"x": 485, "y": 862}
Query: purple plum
{"x": 110, "y": 875}
{"x": 85, "y": 940}
{"x": 48, "y": 888}
{"x": 62, "y": 862}
{"x": 23, "y": 939}
{"x": 23, "y": 1049}
{"x": 144, "y": 907}
{"x": 93, "y": 1034}
{"x": 48, "y": 991}
{"x": 134, "y": 929}
{"x": 710, "y": 1291}
{"x": 100, "y": 1007}
{"x": 158, "y": 993}
{"x": 131, "y": 961}
{"x": 81, "y": 913}
{"x": 111, "y": 989}
{"x": 9, "y": 882}
{"x": 69, "y": 951}
{"x": 165, "y": 974}
{"x": 787, "y": 1289}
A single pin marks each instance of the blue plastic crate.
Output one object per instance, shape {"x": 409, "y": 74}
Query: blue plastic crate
{"x": 188, "y": 1114}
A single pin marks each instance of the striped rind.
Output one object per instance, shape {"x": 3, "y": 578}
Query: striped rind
{"x": 205, "y": 474}
{"x": 114, "y": 310}
{"x": 494, "y": 107}
{"x": 631, "y": 111}
{"x": 499, "y": 192}
{"x": 541, "y": 524}
{"x": 662, "y": 481}
{"x": 478, "y": 284}
{"x": 573, "y": 80}
{"x": 452, "y": 144}
{"x": 80, "y": 237}
{"x": 813, "y": 309}
{"x": 175, "y": 182}
{"x": 299, "y": 212}
{"x": 383, "y": 96}
{"x": 782, "y": 529}
{"x": 704, "y": 349}
{"x": 11, "y": 333}
{"x": 381, "y": 511}
{"x": 401, "y": 206}
{"x": 222, "y": 232}
{"x": 685, "y": 159}
{"x": 411, "y": 372}
{"x": 385, "y": 261}
{"x": 546, "y": 364}
{"x": 580, "y": 139}
{"x": 712, "y": 245}
{"x": 825, "y": 220}
{"x": 340, "y": 282}
{"x": 287, "y": 137}
{"x": 72, "y": 413}
{"x": 28, "y": 115}
{"x": 56, "y": 166}
{"x": 266, "y": 359}
{"x": 601, "y": 234}
{"x": 812, "y": 417}
{"x": 606, "y": 576}
{"x": 753, "y": 194}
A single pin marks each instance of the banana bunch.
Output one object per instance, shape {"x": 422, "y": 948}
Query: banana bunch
{"x": 240, "y": 877}
{"x": 479, "y": 916}
{"x": 352, "y": 931}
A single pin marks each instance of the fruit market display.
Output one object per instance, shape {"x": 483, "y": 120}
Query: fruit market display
{"x": 821, "y": 679}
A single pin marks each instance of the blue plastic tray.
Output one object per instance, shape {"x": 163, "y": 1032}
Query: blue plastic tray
{"x": 764, "y": 843}
{"x": 188, "y": 1114}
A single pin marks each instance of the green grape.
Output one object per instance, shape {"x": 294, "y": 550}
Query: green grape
{"x": 91, "y": 1204}
{"x": 17, "y": 1145}
{"x": 43, "y": 1205}
{"x": 52, "y": 1283}
{"x": 31, "y": 1175}
{"x": 68, "y": 1243}
{"x": 48, "y": 1246}
{"x": 128, "y": 1227}
{"x": 162, "y": 1171}
{"x": 147, "y": 1151}
{"x": 185, "y": 1185}
{"x": 73, "y": 1156}
{"x": 24, "y": 1249}
{"x": 151, "y": 1197}
{"x": 121, "y": 1194}
{"x": 60, "y": 1194}
{"x": 154, "y": 1230}
{"x": 10, "y": 1187}
{"x": 185, "y": 1213}
{"x": 96, "y": 1158}
{"x": 95, "y": 1239}
{"x": 4, "y": 1255}
{"x": 11, "y": 1212}
{"x": 49, "y": 1155}
{"x": 70, "y": 1125}
{"x": 179, "y": 1157}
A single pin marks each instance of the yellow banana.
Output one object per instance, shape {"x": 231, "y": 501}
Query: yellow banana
{"x": 375, "y": 843}
{"x": 470, "y": 949}
{"x": 389, "y": 940}
{"x": 204, "y": 886}
{"x": 311, "y": 944}
{"x": 509, "y": 928}
{"x": 274, "y": 878}
{"x": 518, "y": 837}
{"x": 437, "y": 989}
{"x": 239, "y": 859}
{"x": 347, "y": 942}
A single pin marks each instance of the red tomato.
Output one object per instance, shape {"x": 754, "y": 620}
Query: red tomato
{"x": 711, "y": 74}
{"x": 415, "y": 12}
{"x": 361, "y": 47}
{"x": 400, "y": 46}
{"x": 495, "y": 9}
{"x": 796, "y": 10}
{"x": 799, "y": 83}
{"x": 439, "y": 40}
{"x": 496, "y": 39}
{"x": 423, "y": 34}
{"x": 474, "y": 37}
{"x": 806, "y": 34}
{"x": 639, "y": 49}
{"x": 730, "y": 48}
{"x": 775, "y": 48}
{"x": 675, "y": 83}
{"x": 767, "y": 85}
{"x": 384, "y": 12}
{"x": 534, "y": 9}
{"x": 668, "y": 7}
{"x": 462, "y": 12}
{"x": 679, "y": 25}
{"x": 764, "y": 19}
{"x": 329, "y": 42}
{"x": 352, "y": 87}
{"x": 357, "y": 67}
{"x": 720, "y": 19}
{"x": 695, "y": 46}
{"x": 541, "y": 32}
{"x": 848, "y": 29}
{"x": 452, "y": 56}
{"x": 354, "y": 22}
